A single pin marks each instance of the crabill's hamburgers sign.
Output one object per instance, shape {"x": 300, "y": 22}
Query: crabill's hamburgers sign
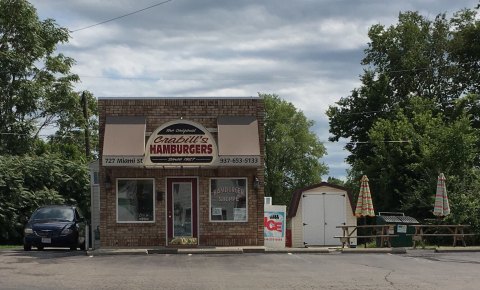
{"x": 179, "y": 143}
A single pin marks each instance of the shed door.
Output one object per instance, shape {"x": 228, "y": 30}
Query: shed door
{"x": 334, "y": 209}
{"x": 322, "y": 213}
{"x": 313, "y": 219}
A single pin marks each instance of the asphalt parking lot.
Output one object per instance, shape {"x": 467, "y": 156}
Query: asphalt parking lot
{"x": 63, "y": 269}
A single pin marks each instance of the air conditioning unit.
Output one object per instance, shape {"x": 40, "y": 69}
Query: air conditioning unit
{"x": 268, "y": 200}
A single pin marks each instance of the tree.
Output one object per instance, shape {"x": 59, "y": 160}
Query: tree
{"x": 416, "y": 114}
{"x": 69, "y": 140}
{"x": 404, "y": 174}
{"x": 464, "y": 49}
{"x": 416, "y": 57}
{"x": 292, "y": 151}
{"x": 37, "y": 92}
{"x": 335, "y": 181}
{"x": 36, "y": 84}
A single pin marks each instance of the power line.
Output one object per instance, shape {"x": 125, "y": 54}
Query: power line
{"x": 375, "y": 70}
{"x": 384, "y": 141}
{"x": 39, "y": 135}
{"x": 122, "y": 16}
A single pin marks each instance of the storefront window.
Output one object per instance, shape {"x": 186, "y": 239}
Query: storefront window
{"x": 228, "y": 199}
{"x": 135, "y": 200}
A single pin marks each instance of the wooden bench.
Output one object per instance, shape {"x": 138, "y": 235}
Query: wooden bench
{"x": 384, "y": 239}
{"x": 369, "y": 231}
{"x": 455, "y": 231}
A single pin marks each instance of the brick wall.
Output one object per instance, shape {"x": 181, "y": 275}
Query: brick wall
{"x": 205, "y": 112}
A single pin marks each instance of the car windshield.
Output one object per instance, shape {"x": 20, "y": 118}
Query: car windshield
{"x": 54, "y": 213}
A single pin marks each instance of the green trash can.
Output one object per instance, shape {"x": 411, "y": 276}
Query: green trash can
{"x": 399, "y": 225}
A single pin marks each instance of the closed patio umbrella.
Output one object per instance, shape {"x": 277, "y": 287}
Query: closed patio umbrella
{"x": 442, "y": 207}
{"x": 364, "y": 203}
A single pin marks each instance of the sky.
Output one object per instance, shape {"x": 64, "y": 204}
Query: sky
{"x": 308, "y": 52}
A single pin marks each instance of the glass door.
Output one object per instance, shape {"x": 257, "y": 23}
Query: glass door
{"x": 182, "y": 208}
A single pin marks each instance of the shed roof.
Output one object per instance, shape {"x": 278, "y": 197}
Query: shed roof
{"x": 297, "y": 194}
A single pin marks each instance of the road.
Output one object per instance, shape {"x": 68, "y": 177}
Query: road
{"x": 61, "y": 269}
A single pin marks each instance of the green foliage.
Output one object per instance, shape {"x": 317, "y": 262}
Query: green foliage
{"x": 336, "y": 181}
{"x": 408, "y": 171}
{"x": 29, "y": 182}
{"x": 36, "y": 84}
{"x": 292, "y": 151}
{"x": 464, "y": 49}
{"x": 420, "y": 85}
{"x": 415, "y": 57}
{"x": 36, "y": 92}
{"x": 69, "y": 139}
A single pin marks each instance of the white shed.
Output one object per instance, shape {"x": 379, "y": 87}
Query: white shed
{"x": 316, "y": 211}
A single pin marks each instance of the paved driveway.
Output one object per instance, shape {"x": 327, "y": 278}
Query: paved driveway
{"x": 61, "y": 269}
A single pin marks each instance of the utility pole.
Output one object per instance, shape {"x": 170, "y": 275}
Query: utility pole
{"x": 87, "y": 131}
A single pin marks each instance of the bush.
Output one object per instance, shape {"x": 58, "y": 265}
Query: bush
{"x": 29, "y": 182}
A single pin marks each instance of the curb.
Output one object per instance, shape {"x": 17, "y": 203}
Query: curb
{"x": 457, "y": 250}
{"x": 162, "y": 251}
{"x": 116, "y": 252}
{"x": 298, "y": 251}
{"x": 263, "y": 250}
{"x": 375, "y": 251}
{"x": 260, "y": 250}
{"x": 211, "y": 251}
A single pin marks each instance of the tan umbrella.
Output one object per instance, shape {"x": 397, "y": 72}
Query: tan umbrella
{"x": 364, "y": 203}
{"x": 442, "y": 207}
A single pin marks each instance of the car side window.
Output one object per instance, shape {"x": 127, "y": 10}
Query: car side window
{"x": 78, "y": 215}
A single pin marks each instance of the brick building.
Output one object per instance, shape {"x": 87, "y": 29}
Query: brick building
{"x": 173, "y": 168}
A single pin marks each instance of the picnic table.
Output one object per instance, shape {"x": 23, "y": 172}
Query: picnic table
{"x": 369, "y": 231}
{"x": 455, "y": 231}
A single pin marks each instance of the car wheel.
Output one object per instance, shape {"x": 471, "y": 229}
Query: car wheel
{"x": 73, "y": 248}
{"x": 40, "y": 248}
{"x": 27, "y": 247}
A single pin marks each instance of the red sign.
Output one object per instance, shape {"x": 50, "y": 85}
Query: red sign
{"x": 272, "y": 225}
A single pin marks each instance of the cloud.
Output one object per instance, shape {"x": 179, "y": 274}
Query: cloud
{"x": 306, "y": 51}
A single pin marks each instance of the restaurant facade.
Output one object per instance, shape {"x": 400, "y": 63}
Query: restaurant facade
{"x": 181, "y": 169}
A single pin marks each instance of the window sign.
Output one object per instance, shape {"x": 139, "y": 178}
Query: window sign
{"x": 240, "y": 214}
{"x": 135, "y": 200}
{"x": 228, "y": 199}
{"x": 217, "y": 211}
{"x": 402, "y": 229}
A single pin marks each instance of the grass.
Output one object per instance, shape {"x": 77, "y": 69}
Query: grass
{"x": 370, "y": 244}
{"x": 6, "y": 247}
{"x": 420, "y": 245}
